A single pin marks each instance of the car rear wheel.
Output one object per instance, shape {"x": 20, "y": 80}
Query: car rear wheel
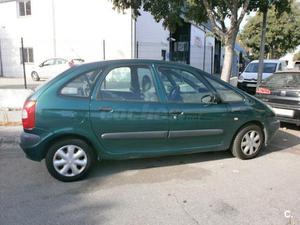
{"x": 248, "y": 142}
{"x": 35, "y": 76}
{"x": 69, "y": 160}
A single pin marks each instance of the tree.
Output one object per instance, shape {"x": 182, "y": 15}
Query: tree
{"x": 198, "y": 11}
{"x": 282, "y": 34}
{"x": 264, "y": 6}
{"x": 296, "y": 56}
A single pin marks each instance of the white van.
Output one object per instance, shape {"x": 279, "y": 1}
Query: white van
{"x": 248, "y": 79}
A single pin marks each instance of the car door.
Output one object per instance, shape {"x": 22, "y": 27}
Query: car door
{"x": 59, "y": 66}
{"x": 46, "y": 68}
{"x": 126, "y": 112}
{"x": 197, "y": 121}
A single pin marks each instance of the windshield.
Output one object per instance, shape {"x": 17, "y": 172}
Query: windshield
{"x": 283, "y": 80}
{"x": 268, "y": 68}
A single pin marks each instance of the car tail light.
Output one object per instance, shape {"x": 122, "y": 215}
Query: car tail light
{"x": 264, "y": 91}
{"x": 28, "y": 115}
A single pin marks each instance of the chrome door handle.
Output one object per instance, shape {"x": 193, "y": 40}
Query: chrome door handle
{"x": 177, "y": 112}
{"x": 106, "y": 109}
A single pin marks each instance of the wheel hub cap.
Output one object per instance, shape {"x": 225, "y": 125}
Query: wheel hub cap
{"x": 70, "y": 160}
{"x": 250, "y": 142}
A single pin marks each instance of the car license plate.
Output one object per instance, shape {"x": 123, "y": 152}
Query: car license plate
{"x": 251, "y": 85}
{"x": 284, "y": 112}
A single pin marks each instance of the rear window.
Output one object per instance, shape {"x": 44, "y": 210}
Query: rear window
{"x": 268, "y": 68}
{"x": 81, "y": 86}
{"x": 283, "y": 80}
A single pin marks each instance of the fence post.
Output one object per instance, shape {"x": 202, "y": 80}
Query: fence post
{"x": 137, "y": 49}
{"x": 1, "y": 63}
{"x": 212, "y": 60}
{"x": 103, "y": 49}
{"x": 23, "y": 62}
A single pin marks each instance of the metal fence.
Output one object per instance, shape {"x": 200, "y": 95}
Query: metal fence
{"x": 37, "y": 51}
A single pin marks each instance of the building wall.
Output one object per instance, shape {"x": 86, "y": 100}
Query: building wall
{"x": 201, "y": 49}
{"x": 151, "y": 37}
{"x": 74, "y": 29}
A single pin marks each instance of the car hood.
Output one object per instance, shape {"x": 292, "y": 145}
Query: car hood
{"x": 253, "y": 76}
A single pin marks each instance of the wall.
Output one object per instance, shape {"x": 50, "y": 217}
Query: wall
{"x": 201, "y": 49}
{"x": 75, "y": 29}
{"x": 151, "y": 37}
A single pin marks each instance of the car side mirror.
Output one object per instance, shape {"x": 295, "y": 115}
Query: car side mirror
{"x": 41, "y": 65}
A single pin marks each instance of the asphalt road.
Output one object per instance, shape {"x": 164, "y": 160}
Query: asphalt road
{"x": 206, "y": 188}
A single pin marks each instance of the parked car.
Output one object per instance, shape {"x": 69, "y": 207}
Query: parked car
{"x": 139, "y": 108}
{"x": 282, "y": 92}
{"x": 248, "y": 79}
{"x": 53, "y": 67}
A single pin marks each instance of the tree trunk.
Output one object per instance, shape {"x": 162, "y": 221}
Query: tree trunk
{"x": 228, "y": 58}
{"x": 262, "y": 48}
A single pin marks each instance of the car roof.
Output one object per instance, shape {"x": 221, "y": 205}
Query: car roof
{"x": 138, "y": 61}
{"x": 268, "y": 61}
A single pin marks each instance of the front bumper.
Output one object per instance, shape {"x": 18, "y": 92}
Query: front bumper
{"x": 245, "y": 87}
{"x": 32, "y": 145}
{"x": 270, "y": 130}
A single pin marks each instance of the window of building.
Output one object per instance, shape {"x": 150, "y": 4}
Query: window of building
{"x": 28, "y": 55}
{"x": 24, "y": 7}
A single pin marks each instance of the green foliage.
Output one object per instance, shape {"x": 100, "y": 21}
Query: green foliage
{"x": 283, "y": 32}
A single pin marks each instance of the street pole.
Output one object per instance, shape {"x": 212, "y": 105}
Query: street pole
{"x": 103, "y": 48}
{"x": 23, "y": 62}
{"x": 262, "y": 48}
{"x": 1, "y": 64}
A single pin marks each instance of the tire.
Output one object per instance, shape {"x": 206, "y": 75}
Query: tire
{"x": 35, "y": 76}
{"x": 63, "y": 164}
{"x": 248, "y": 142}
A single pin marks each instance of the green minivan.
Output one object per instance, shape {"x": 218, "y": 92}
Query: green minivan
{"x": 125, "y": 109}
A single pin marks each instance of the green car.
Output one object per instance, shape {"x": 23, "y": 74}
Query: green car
{"x": 139, "y": 108}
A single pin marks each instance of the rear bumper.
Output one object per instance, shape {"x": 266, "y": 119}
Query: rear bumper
{"x": 32, "y": 145}
{"x": 296, "y": 117}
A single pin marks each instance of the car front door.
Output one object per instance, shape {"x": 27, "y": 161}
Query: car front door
{"x": 196, "y": 119}
{"x": 126, "y": 112}
{"x": 46, "y": 68}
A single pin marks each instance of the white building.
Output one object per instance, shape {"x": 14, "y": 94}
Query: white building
{"x": 91, "y": 30}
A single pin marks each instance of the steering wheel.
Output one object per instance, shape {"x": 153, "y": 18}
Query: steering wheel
{"x": 174, "y": 94}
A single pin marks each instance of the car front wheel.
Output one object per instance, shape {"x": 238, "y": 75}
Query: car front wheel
{"x": 248, "y": 142}
{"x": 69, "y": 160}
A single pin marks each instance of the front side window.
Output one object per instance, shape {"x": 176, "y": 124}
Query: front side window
{"x": 28, "y": 55}
{"x": 24, "y": 7}
{"x": 226, "y": 94}
{"x": 183, "y": 86}
{"x": 128, "y": 84}
{"x": 81, "y": 86}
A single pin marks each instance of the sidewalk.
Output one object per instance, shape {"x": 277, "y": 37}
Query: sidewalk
{"x": 12, "y": 97}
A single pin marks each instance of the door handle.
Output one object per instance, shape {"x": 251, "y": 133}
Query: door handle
{"x": 177, "y": 112}
{"x": 106, "y": 109}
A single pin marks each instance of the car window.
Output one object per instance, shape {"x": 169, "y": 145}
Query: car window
{"x": 49, "y": 62}
{"x": 283, "y": 80}
{"x": 280, "y": 67}
{"x": 226, "y": 94}
{"x": 128, "y": 84}
{"x": 60, "y": 61}
{"x": 268, "y": 68}
{"x": 183, "y": 86}
{"x": 82, "y": 85}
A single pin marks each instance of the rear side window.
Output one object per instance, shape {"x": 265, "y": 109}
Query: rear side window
{"x": 226, "y": 94}
{"x": 134, "y": 83}
{"x": 82, "y": 85}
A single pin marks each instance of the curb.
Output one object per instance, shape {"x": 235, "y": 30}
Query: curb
{"x": 10, "y": 118}
{"x": 9, "y": 140}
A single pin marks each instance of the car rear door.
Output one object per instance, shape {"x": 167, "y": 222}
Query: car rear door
{"x": 126, "y": 112}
